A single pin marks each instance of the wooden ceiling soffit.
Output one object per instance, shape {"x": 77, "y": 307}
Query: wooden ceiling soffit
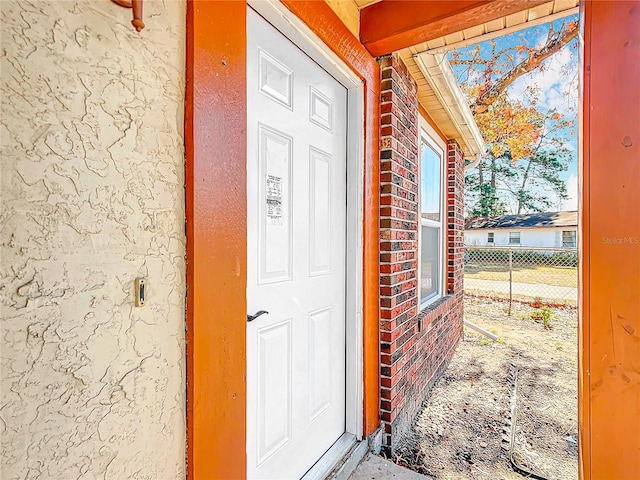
{"x": 391, "y": 25}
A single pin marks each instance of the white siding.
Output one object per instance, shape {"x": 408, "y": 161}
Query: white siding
{"x": 529, "y": 237}
{"x": 92, "y": 196}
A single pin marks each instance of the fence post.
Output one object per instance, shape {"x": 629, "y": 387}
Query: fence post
{"x": 510, "y": 279}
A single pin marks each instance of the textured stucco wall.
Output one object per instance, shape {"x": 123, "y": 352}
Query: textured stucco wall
{"x": 92, "y": 179}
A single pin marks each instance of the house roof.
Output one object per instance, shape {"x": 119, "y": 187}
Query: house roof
{"x": 441, "y": 96}
{"x": 527, "y": 220}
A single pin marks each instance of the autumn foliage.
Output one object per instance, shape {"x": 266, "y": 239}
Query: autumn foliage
{"x": 526, "y": 142}
{"x": 502, "y": 67}
{"x": 510, "y": 126}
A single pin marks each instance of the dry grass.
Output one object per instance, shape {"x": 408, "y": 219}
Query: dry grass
{"x": 550, "y": 275}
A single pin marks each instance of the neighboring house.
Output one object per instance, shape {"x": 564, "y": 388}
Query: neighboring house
{"x": 547, "y": 229}
{"x": 287, "y": 179}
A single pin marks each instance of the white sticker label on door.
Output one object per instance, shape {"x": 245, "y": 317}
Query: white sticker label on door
{"x": 274, "y": 200}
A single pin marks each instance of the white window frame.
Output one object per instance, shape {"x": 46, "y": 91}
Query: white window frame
{"x": 491, "y": 238}
{"x": 519, "y": 238}
{"x": 574, "y": 237}
{"x": 429, "y": 136}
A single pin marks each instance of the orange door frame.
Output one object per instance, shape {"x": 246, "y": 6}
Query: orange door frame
{"x": 609, "y": 373}
{"x": 216, "y": 208}
{"x": 215, "y": 131}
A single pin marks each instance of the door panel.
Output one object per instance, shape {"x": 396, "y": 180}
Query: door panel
{"x": 296, "y": 211}
{"x": 275, "y": 229}
{"x": 320, "y": 213}
{"x": 274, "y": 390}
{"x": 320, "y": 387}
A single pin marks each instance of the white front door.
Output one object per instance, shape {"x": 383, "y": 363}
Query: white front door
{"x": 296, "y": 211}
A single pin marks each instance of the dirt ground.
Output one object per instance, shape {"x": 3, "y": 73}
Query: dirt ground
{"x": 460, "y": 432}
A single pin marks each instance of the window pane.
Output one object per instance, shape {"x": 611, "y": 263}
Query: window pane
{"x": 430, "y": 265}
{"x": 430, "y": 183}
{"x": 514, "y": 238}
{"x": 569, "y": 239}
{"x": 490, "y": 237}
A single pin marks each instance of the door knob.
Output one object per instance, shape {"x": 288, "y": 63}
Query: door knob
{"x": 251, "y": 318}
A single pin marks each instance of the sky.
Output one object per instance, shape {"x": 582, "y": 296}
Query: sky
{"x": 557, "y": 87}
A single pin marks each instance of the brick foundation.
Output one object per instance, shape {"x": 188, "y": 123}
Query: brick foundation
{"x": 416, "y": 346}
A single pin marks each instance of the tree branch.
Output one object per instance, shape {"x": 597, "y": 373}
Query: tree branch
{"x": 473, "y": 61}
{"x": 553, "y": 45}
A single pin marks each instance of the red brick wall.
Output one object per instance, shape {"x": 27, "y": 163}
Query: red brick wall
{"x": 416, "y": 346}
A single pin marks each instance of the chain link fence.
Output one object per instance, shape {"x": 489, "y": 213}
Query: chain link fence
{"x": 541, "y": 276}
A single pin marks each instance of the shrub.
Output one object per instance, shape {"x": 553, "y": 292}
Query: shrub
{"x": 543, "y": 315}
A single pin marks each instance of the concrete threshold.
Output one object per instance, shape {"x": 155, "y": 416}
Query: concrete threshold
{"x": 374, "y": 467}
{"x": 340, "y": 460}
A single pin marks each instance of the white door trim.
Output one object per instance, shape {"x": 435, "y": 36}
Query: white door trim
{"x": 294, "y": 29}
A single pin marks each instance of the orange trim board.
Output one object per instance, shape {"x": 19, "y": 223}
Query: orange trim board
{"x": 610, "y": 232}
{"x": 215, "y": 135}
{"x": 391, "y": 25}
{"x": 216, "y": 209}
{"x": 584, "y": 425}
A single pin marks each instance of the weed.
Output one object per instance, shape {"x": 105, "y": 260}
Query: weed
{"x": 543, "y": 315}
{"x": 559, "y": 347}
{"x": 485, "y": 341}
